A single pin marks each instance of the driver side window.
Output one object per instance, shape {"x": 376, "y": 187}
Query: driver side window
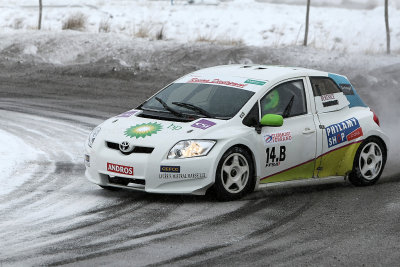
{"x": 287, "y": 99}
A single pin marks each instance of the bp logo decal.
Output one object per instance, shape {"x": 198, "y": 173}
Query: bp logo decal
{"x": 143, "y": 130}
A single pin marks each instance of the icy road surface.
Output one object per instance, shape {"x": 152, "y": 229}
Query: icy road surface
{"x": 51, "y": 215}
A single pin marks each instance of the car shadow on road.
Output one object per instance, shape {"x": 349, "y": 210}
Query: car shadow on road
{"x": 271, "y": 191}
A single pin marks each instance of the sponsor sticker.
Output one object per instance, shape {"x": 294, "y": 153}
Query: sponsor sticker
{"x": 280, "y": 137}
{"x": 275, "y": 156}
{"x": 127, "y": 114}
{"x": 174, "y": 127}
{"x": 330, "y": 103}
{"x": 203, "y": 124}
{"x": 250, "y": 81}
{"x": 327, "y": 97}
{"x": 217, "y": 81}
{"x": 111, "y": 167}
{"x": 182, "y": 175}
{"x": 143, "y": 130}
{"x": 175, "y": 169}
{"x": 343, "y": 131}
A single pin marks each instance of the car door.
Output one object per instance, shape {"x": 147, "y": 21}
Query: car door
{"x": 337, "y": 130}
{"x": 289, "y": 150}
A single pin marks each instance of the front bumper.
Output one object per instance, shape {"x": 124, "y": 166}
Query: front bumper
{"x": 152, "y": 172}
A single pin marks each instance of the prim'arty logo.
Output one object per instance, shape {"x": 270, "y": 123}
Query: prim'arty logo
{"x": 143, "y": 130}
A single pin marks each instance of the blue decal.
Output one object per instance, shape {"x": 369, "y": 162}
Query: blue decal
{"x": 268, "y": 138}
{"x": 351, "y": 94}
{"x": 343, "y": 131}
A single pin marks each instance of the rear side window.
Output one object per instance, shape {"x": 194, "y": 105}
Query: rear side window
{"x": 346, "y": 88}
{"x": 323, "y": 86}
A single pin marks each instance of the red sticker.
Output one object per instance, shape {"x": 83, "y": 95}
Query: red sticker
{"x": 217, "y": 81}
{"x": 119, "y": 169}
{"x": 354, "y": 134}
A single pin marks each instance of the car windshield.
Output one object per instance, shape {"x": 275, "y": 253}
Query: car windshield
{"x": 203, "y": 100}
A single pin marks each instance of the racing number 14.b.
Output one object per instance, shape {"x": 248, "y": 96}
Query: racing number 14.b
{"x": 272, "y": 158}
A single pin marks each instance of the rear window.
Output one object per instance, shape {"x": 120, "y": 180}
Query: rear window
{"x": 346, "y": 89}
{"x": 323, "y": 86}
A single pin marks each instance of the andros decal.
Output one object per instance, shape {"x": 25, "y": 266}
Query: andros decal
{"x": 203, "y": 124}
{"x": 343, "y": 131}
{"x": 275, "y": 156}
{"x": 127, "y": 114}
{"x": 143, "y": 130}
{"x": 280, "y": 137}
{"x": 111, "y": 167}
{"x": 217, "y": 81}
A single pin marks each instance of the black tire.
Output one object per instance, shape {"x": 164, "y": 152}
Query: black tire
{"x": 240, "y": 180}
{"x": 110, "y": 188}
{"x": 369, "y": 162}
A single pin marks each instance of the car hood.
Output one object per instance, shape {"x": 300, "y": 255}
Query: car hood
{"x": 150, "y": 132}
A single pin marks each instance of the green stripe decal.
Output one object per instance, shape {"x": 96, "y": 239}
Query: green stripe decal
{"x": 344, "y": 156}
{"x": 301, "y": 171}
{"x": 250, "y": 81}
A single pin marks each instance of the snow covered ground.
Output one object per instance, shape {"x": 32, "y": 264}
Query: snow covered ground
{"x": 249, "y": 22}
{"x": 14, "y": 153}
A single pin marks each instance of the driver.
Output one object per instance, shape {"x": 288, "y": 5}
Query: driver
{"x": 271, "y": 102}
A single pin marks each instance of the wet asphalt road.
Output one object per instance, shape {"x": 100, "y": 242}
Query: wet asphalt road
{"x": 56, "y": 217}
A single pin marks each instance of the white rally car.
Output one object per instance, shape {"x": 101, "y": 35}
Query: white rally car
{"x": 234, "y": 128}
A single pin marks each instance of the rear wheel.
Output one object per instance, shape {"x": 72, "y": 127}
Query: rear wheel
{"x": 369, "y": 162}
{"x": 235, "y": 175}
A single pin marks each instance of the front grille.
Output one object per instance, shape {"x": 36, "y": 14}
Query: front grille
{"x": 137, "y": 149}
{"x": 125, "y": 181}
{"x": 113, "y": 145}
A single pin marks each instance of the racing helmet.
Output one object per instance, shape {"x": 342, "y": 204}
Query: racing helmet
{"x": 272, "y": 100}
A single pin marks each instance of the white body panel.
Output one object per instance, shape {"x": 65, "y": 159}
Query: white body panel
{"x": 307, "y": 141}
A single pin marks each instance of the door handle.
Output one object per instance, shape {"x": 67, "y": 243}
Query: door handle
{"x": 308, "y": 131}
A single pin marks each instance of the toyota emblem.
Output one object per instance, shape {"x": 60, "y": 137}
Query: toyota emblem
{"x": 125, "y": 147}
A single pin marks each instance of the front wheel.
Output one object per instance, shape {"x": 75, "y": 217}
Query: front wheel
{"x": 235, "y": 175}
{"x": 368, "y": 163}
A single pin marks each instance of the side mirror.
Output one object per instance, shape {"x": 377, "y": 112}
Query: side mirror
{"x": 271, "y": 120}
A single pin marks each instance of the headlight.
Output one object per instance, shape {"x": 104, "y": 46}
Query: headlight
{"x": 92, "y": 135}
{"x": 191, "y": 148}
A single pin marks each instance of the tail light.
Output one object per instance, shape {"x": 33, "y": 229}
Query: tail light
{"x": 376, "y": 119}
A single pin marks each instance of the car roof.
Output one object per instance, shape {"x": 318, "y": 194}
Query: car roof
{"x": 259, "y": 72}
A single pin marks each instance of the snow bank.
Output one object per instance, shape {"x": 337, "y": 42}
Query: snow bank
{"x": 255, "y": 23}
{"x": 13, "y": 153}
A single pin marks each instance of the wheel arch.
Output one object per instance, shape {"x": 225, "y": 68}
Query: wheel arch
{"x": 253, "y": 159}
{"x": 251, "y": 154}
{"x": 355, "y": 176}
{"x": 377, "y": 137}
{"x": 256, "y": 171}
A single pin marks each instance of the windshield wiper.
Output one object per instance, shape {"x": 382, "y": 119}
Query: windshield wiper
{"x": 286, "y": 112}
{"x": 173, "y": 111}
{"x": 195, "y": 108}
